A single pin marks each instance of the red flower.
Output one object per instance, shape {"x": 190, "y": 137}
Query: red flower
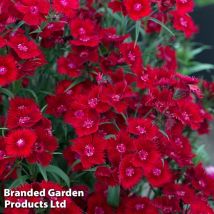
{"x": 6, "y": 163}
{"x": 91, "y": 150}
{"x": 71, "y": 157}
{"x": 117, "y": 95}
{"x": 93, "y": 100}
{"x": 119, "y": 147}
{"x": 142, "y": 127}
{"x": 137, "y": 9}
{"x": 19, "y": 143}
{"x": 25, "y": 49}
{"x": 85, "y": 33}
{"x": 199, "y": 178}
{"x": 200, "y": 206}
{"x": 184, "y": 6}
{"x": 23, "y": 113}
{"x": 87, "y": 41}
{"x": 34, "y": 11}
{"x": 159, "y": 174}
{"x": 8, "y": 70}
{"x": 107, "y": 175}
{"x": 132, "y": 54}
{"x": 85, "y": 122}
{"x": 116, "y": 6}
{"x": 180, "y": 191}
{"x": 147, "y": 154}
{"x": 188, "y": 113}
{"x": 153, "y": 27}
{"x": 70, "y": 65}
{"x": 129, "y": 174}
{"x": 52, "y": 34}
{"x": 42, "y": 148}
{"x": 86, "y": 54}
{"x": 80, "y": 27}
{"x": 66, "y": 7}
{"x": 167, "y": 205}
{"x": 58, "y": 104}
{"x": 169, "y": 56}
{"x": 165, "y": 5}
{"x": 137, "y": 205}
{"x": 161, "y": 100}
{"x": 97, "y": 203}
{"x": 109, "y": 35}
{"x": 184, "y": 22}
{"x": 3, "y": 42}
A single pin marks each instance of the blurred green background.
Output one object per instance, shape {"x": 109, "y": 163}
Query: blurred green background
{"x": 204, "y": 2}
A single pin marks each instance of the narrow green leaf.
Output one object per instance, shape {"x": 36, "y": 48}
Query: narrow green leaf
{"x": 43, "y": 172}
{"x": 109, "y": 136}
{"x": 18, "y": 26}
{"x": 76, "y": 82}
{"x": 137, "y": 31}
{"x": 200, "y": 67}
{"x": 162, "y": 25}
{"x": 6, "y": 92}
{"x": 199, "y": 50}
{"x": 60, "y": 173}
{"x": 32, "y": 93}
{"x": 20, "y": 180}
{"x": 114, "y": 196}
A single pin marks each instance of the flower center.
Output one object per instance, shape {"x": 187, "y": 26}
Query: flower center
{"x": 202, "y": 183}
{"x": 130, "y": 171}
{"x": 121, "y": 148}
{"x": 84, "y": 54}
{"x": 64, "y": 2}
{"x": 23, "y": 120}
{"x": 99, "y": 210}
{"x": 156, "y": 172}
{"x": 21, "y": 107}
{"x": 180, "y": 193}
{"x": 185, "y": 116}
{"x": 131, "y": 56}
{"x": 167, "y": 209}
{"x": 50, "y": 25}
{"x": 93, "y": 102}
{"x": 3, "y": 70}
{"x": 82, "y": 31}
{"x": 34, "y": 9}
{"x": 89, "y": 150}
{"x": 88, "y": 123}
{"x": 22, "y": 47}
{"x": 61, "y": 109}
{"x": 20, "y": 142}
{"x": 143, "y": 154}
{"x": 144, "y": 77}
{"x": 79, "y": 113}
{"x": 116, "y": 98}
{"x": 2, "y": 154}
{"x": 71, "y": 65}
{"x": 85, "y": 39}
{"x": 69, "y": 92}
{"x": 38, "y": 147}
{"x": 139, "y": 207}
{"x": 183, "y": 1}
{"x": 113, "y": 36}
{"x": 178, "y": 142}
{"x": 138, "y": 7}
{"x": 183, "y": 22}
{"x": 141, "y": 129}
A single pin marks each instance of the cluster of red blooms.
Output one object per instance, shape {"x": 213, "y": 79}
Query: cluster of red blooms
{"x": 131, "y": 121}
